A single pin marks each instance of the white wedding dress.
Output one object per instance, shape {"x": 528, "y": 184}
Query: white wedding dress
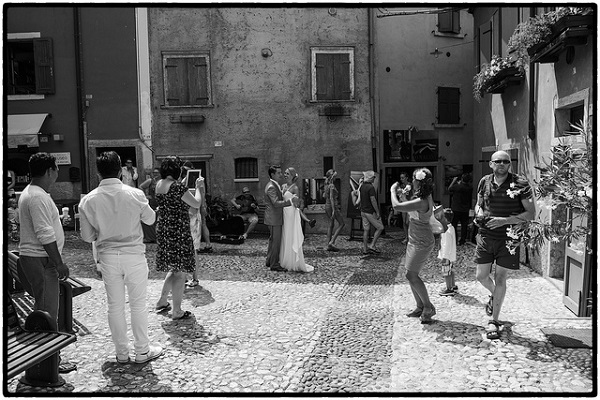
{"x": 291, "y": 256}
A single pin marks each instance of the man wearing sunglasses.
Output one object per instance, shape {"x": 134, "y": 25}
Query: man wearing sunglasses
{"x": 503, "y": 199}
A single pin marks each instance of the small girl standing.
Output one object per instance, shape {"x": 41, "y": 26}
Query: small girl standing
{"x": 447, "y": 254}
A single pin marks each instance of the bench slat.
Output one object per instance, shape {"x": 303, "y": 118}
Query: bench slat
{"x": 45, "y": 345}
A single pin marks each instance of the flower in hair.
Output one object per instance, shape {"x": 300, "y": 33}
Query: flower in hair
{"x": 420, "y": 175}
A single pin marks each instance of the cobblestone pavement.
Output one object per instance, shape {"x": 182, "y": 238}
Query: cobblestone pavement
{"x": 340, "y": 329}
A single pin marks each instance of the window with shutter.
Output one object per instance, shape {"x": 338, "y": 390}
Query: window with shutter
{"x": 448, "y": 105}
{"x": 30, "y": 66}
{"x": 332, "y": 73}
{"x": 246, "y": 168}
{"x": 449, "y": 22}
{"x": 187, "y": 79}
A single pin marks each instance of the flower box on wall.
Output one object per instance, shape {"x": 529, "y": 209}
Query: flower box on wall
{"x": 506, "y": 77}
{"x": 570, "y": 30}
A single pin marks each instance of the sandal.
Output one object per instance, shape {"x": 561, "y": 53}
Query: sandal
{"x": 185, "y": 315}
{"x": 427, "y": 314}
{"x": 489, "y": 307}
{"x": 161, "y": 309}
{"x": 415, "y": 313}
{"x": 493, "y": 334}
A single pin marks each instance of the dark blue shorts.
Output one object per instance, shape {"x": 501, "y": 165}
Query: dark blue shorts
{"x": 489, "y": 250}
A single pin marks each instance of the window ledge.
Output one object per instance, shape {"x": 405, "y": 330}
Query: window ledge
{"x": 449, "y": 35}
{"x": 246, "y": 180}
{"x": 165, "y": 107}
{"x": 25, "y": 97}
{"x": 332, "y": 101}
{"x": 448, "y": 125}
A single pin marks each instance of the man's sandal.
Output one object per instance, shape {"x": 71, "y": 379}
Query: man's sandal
{"x": 493, "y": 331}
{"x": 489, "y": 307}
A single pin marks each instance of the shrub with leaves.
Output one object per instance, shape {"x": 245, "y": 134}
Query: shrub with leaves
{"x": 565, "y": 183}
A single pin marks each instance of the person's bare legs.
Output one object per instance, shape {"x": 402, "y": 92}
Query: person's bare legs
{"x": 166, "y": 289}
{"x": 337, "y": 232}
{"x": 419, "y": 290}
{"x": 178, "y": 284}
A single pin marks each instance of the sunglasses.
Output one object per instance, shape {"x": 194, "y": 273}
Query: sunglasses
{"x": 501, "y": 161}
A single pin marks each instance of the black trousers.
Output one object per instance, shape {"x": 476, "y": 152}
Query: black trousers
{"x": 463, "y": 218}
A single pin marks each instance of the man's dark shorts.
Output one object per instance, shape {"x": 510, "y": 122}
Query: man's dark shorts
{"x": 489, "y": 250}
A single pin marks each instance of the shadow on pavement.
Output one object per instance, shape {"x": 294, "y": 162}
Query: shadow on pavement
{"x": 122, "y": 375}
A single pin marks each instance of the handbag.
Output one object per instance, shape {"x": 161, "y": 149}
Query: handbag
{"x": 436, "y": 225}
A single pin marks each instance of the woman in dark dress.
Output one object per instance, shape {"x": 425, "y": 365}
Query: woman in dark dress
{"x": 175, "y": 254}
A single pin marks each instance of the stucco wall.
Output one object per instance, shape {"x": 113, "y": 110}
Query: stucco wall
{"x": 503, "y": 120}
{"x": 261, "y": 105}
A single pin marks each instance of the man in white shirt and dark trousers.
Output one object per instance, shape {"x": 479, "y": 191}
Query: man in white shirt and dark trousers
{"x": 42, "y": 239}
{"x": 112, "y": 216}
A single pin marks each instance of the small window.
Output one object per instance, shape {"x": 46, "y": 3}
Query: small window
{"x": 449, "y": 22}
{"x": 30, "y": 66}
{"x": 576, "y": 115}
{"x": 448, "y": 105}
{"x": 246, "y": 168}
{"x": 187, "y": 79}
{"x": 332, "y": 73}
{"x": 327, "y": 164}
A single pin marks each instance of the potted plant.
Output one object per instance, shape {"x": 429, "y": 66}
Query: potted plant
{"x": 496, "y": 76}
{"x": 537, "y": 32}
{"x": 566, "y": 182}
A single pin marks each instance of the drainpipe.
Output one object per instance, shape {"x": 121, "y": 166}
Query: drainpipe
{"x": 532, "y": 87}
{"x": 374, "y": 130}
{"x": 83, "y": 143}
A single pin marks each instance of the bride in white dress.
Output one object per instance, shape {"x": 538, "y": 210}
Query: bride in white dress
{"x": 291, "y": 255}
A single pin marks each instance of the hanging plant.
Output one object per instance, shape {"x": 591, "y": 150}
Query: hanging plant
{"x": 565, "y": 182}
{"x": 488, "y": 73}
{"x": 535, "y": 30}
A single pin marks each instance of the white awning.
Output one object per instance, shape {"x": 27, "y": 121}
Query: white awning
{"x": 23, "y": 129}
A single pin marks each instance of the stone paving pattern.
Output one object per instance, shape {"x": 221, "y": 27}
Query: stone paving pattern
{"x": 340, "y": 329}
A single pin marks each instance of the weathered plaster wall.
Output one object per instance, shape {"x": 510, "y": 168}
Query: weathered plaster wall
{"x": 261, "y": 105}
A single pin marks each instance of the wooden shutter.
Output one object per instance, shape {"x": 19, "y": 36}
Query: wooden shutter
{"x": 509, "y": 21}
{"x": 485, "y": 44}
{"x": 198, "y": 81}
{"x": 333, "y": 76}
{"x": 448, "y": 105}
{"x": 341, "y": 77}
{"x": 44, "y": 66}
{"x": 449, "y": 22}
{"x": 324, "y": 72}
{"x": 173, "y": 70}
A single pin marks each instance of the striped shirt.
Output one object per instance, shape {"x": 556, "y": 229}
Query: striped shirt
{"x": 503, "y": 200}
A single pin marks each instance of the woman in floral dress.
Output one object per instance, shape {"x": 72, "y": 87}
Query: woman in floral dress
{"x": 175, "y": 253}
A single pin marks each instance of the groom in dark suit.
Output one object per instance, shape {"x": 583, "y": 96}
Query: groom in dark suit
{"x": 274, "y": 215}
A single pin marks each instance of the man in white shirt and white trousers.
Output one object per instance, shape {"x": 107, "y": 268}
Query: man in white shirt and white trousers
{"x": 112, "y": 216}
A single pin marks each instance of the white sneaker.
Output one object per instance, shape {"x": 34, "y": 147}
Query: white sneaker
{"x": 154, "y": 351}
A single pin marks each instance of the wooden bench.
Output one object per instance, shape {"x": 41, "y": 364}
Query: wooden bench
{"x": 70, "y": 288}
{"x": 34, "y": 348}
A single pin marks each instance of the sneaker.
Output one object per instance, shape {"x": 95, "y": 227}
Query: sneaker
{"x": 332, "y": 248}
{"x": 154, "y": 351}
{"x": 123, "y": 359}
{"x": 206, "y": 250}
{"x": 455, "y": 289}
{"x": 447, "y": 292}
{"x": 192, "y": 283}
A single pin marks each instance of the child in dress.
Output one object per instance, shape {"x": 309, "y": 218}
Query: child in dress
{"x": 447, "y": 254}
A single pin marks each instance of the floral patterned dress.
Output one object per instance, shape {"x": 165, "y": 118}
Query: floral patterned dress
{"x": 175, "y": 246}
